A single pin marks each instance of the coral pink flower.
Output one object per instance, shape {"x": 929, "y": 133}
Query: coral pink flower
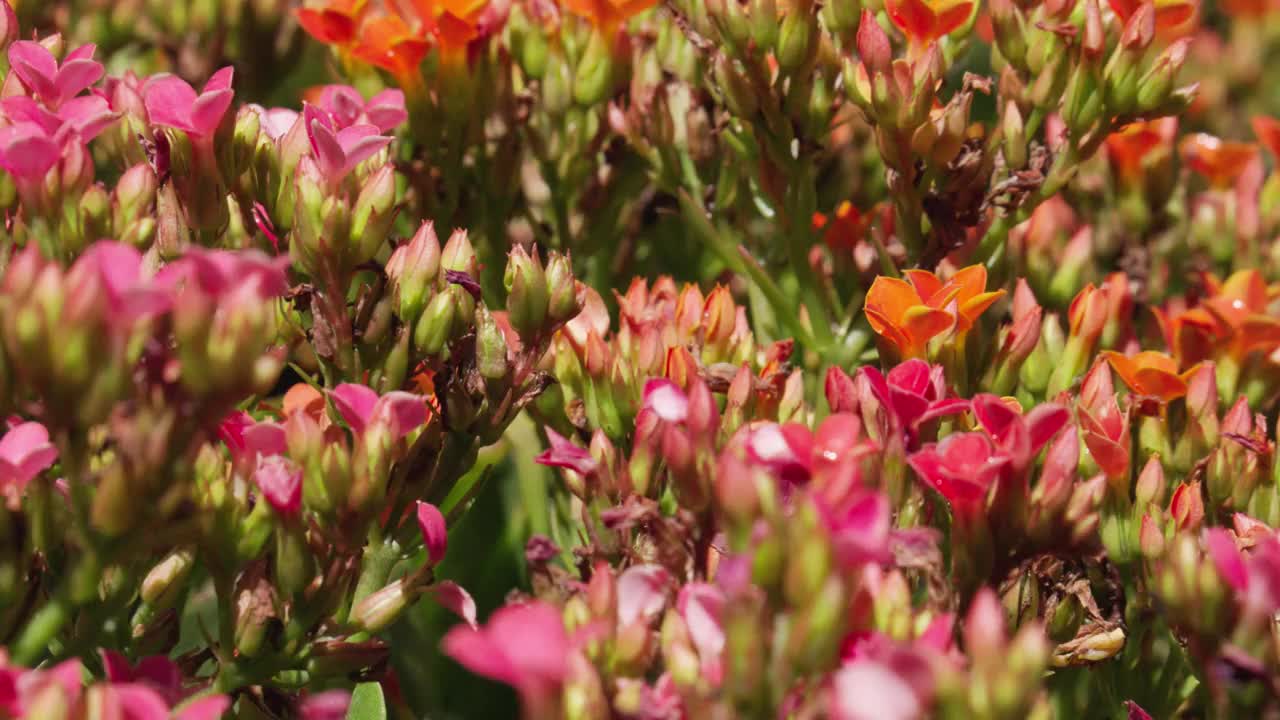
{"x": 338, "y": 152}
{"x": 171, "y": 102}
{"x": 1019, "y": 437}
{"x": 385, "y": 110}
{"x": 41, "y": 75}
{"x": 523, "y": 645}
{"x": 962, "y": 467}
{"x": 362, "y": 408}
{"x": 280, "y": 480}
{"x": 25, "y": 452}
{"x": 248, "y": 439}
{"x": 913, "y": 394}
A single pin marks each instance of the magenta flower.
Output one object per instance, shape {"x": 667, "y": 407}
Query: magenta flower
{"x": 40, "y": 74}
{"x": 338, "y": 152}
{"x": 227, "y": 274}
{"x": 785, "y": 450}
{"x": 962, "y": 467}
{"x": 110, "y": 274}
{"x": 361, "y": 408}
{"x": 1227, "y": 558}
{"x": 85, "y": 116}
{"x": 25, "y": 451}
{"x": 435, "y": 533}
{"x": 868, "y": 689}
{"x": 276, "y": 122}
{"x": 566, "y": 455}
{"x": 157, "y": 671}
{"x": 455, "y": 598}
{"x": 913, "y": 394}
{"x": 1019, "y": 437}
{"x": 523, "y": 645}
{"x": 860, "y": 528}
{"x": 248, "y": 439}
{"x": 280, "y": 480}
{"x": 171, "y": 102}
{"x": 28, "y": 151}
{"x": 385, "y": 111}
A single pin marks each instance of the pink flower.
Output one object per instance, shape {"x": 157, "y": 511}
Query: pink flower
{"x": 913, "y": 394}
{"x": 566, "y": 455}
{"x": 328, "y": 705}
{"x": 171, "y": 102}
{"x": 870, "y": 689}
{"x": 860, "y": 528}
{"x": 435, "y": 534}
{"x": 962, "y": 467}
{"x": 28, "y": 151}
{"x": 385, "y": 111}
{"x": 361, "y": 408}
{"x": 666, "y": 400}
{"x": 110, "y": 274}
{"x": 42, "y": 77}
{"x": 455, "y": 598}
{"x": 248, "y": 439}
{"x": 642, "y": 594}
{"x": 523, "y": 645}
{"x": 1019, "y": 437}
{"x": 85, "y": 116}
{"x": 785, "y": 450}
{"x": 280, "y": 480}
{"x": 276, "y": 121}
{"x": 338, "y": 152}
{"x": 223, "y": 274}
{"x": 157, "y": 671}
{"x": 701, "y": 606}
{"x": 25, "y": 451}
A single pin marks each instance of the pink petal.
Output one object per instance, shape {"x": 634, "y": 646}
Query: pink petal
{"x": 1226, "y": 558}
{"x": 1044, "y": 422}
{"x": 211, "y": 707}
{"x": 912, "y": 375}
{"x": 408, "y": 410}
{"x": 944, "y": 408}
{"x": 360, "y": 149}
{"x": 1135, "y": 711}
{"x": 454, "y": 598}
{"x": 642, "y": 593}
{"x": 208, "y": 109}
{"x": 265, "y": 439}
{"x": 386, "y": 110}
{"x": 23, "y": 440}
{"x": 343, "y": 102}
{"x": 474, "y": 650}
{"x": 169, "y": 101}
{"x": 75, "y": 75}
{"x": 84, "y": 52}
{"x": 280, "y": 481}
{"x": 27, "y": 152}
{"x": 117, "y": 667}
{"x": 35, "y": 66}
{"x": 869, "y": 690}
{"x": 162, "y": 674}
{"x": 21, "y": 108}
{"x": 701, "y": 606}
{"x": 89, "y": 115}
{"x": 119, "y": 265}
{"x": 666, "y": 400}
{"x": 329, "y": 156}
{"x": 564, "y": 454}
{"x": 328, "y": 705}
{"x": 435, "y": 533}
{"x": 538, "y": 645}
{"x": 355, "y": 403}
{"x": 136, "y": 701}
{"x": 220, "y": 80}
{"x": 277, "y": 121}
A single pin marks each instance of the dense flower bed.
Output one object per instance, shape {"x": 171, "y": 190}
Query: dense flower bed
{"x": 803, "y": 359}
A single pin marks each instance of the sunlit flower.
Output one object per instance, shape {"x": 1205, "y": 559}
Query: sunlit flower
{"x": 332, "y": 21}
{"x": 908, "y": 313}
{"x": 1128, "y": 148}
{"x": 1151, "y": 374}
{"x": 608, "y": 15}
{"x": 925, "y": 21}
{"x": 1219, "y": 161}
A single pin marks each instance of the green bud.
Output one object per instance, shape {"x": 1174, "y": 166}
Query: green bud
{"x": 527, "y": 296}
{"x": 378, "y": 611}
{"x": 234, "y": 157}
{"x": 563, "y": 304}
{"x": 491, "y": 346}
{"x": 374, "y": 213}
{"x": 134, "y": 195}
{"x": 435, "y": 327}
{"x": 763, "y": 17}
{"x": 797, "y": 41}
{"x": 166, "y": 582}
{"x": 593, "y": 78}
{"x": 294, "y": 565}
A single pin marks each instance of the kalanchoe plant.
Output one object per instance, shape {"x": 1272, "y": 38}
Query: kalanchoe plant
{"x": 739, "y": 358}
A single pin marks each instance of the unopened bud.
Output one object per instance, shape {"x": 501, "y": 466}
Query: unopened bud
{"x": 378, "y": 611}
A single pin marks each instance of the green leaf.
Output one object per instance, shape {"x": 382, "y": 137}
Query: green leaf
{"x": 367, "y": 703}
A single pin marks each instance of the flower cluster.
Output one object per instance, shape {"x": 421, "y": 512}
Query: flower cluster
{"x": 737, "y": 358}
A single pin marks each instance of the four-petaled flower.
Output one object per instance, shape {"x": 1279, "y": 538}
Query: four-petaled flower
{"x": 1219, "y": 161}
{"x": 171, "y": 102}
{"x": 909, "y": 313}
{"x": 926, "y": 21}
{"x": 52, "y": 84}
{"x": 1151, "y": 374}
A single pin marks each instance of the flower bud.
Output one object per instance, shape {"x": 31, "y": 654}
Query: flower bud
{"x": 134, "y": 195}
{"x": 417, "y": 265}
{"x": 563, "y": 304}
{"x": 435, "y": 327}
{"x": 166, "y": 582}
{"x": 378, "y": 611}
{"x": 1155, "y": 87}
{"x": 593, "y": 77}
{"x": 374, "y": 212}
{"x": 797, "y": 38}
{"x": 234, "y": 157}
{"x": 527, "y": 297}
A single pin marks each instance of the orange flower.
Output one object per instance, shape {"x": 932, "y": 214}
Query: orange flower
{"x": 388, "y": 42}
{"x": 1220, "y": 161}
{"x": 1233, "y": 319}
{"x": 455, "y": 22}
{"x": 1251, "y": 9}
{"x": 608, "y": 15}
{"x": 1127, "y": 148}
{"x": 1151, "y": 373}
{"x": 1170, "y": 14}
{"x": 908, "y": 313}
{"x": 925, "y": 21}
{"x": 333, "y": 21}
{"x": 1267, "y": 130}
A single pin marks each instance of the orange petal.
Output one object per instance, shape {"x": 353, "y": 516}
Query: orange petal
{"x": 301, "y": 397}
{"x": 889, "y": 331}
{"x": 926, "y": 283}
{"x": 1259, "y": 332}
{"x": 915, "y": 18}
{"x": 951, "y": 18}
{"x": 1267, "y": 130}
{"x": 1247, "y": 286}
{"x": 972, "y": 308}
{"x": 327, "y": 26}
{"x": 921, "y": 323}
{"x": 891, "y": 297}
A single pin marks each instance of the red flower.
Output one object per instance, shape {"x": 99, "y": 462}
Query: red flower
{"x": 333, "y": 21}
{"x": 962, "y": 467}
{"x": 925, "y": 21}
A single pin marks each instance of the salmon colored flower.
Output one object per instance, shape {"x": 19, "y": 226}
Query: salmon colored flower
{"x": 334, "y": 22}
{"x": 925, "y": 21}
{"x": 1151, "y": 373}
{"x": 1127, "y": 149}
{"x": 1220, "y": 161}
{"x": 388, "y": 42}
{"x": 1104, "y": 426}
{"x": 1254, "y": 10}
{"x": 608, "y": 15}
{"x": 908, "y": 313}
{"x": 1267, "y": 130}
